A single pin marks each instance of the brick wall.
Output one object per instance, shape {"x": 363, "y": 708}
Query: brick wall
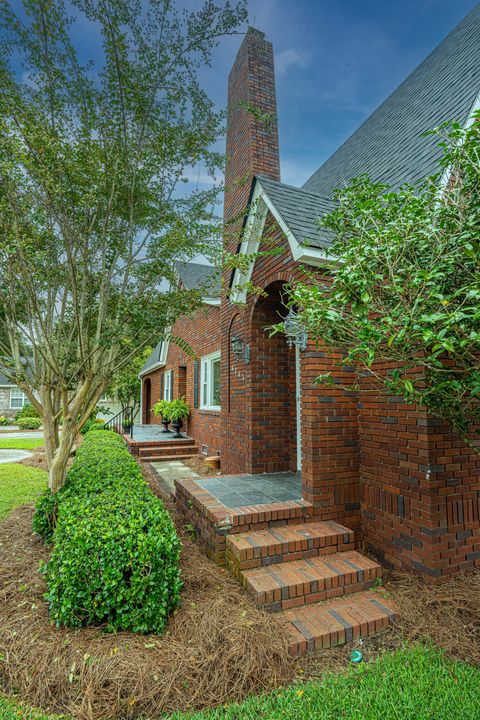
{"x": 201, "y": 330}
{"x": 421, "y": 488}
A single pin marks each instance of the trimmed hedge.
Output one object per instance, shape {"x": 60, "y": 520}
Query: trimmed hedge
{"x": 28, "y": 423}
{"x": 115, "y": 558}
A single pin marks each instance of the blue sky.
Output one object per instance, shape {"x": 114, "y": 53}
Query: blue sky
{"x": 336, "y": 61}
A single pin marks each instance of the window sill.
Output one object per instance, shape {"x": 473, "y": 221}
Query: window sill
{"x": 209, "y": 411}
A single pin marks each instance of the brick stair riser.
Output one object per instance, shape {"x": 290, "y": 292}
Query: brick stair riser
{"x": 183, "y": 450}
{"x": 165, "y": 458}
{"x": 286, "y": 552}
{"x": 295, "y": 594}
{"x": 237, "y": 566}
{"x": 325, "y": 625}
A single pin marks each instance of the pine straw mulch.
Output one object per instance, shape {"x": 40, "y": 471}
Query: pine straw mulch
{"x": 447, "y": 615}
{"x": 38, "y": 459}
{"x": 218, "y": 647}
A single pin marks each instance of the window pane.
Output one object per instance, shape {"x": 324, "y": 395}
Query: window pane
{"x": 216, "y": 382}
{"x": 204, "y": 384}
{"x": 17, "y": 399}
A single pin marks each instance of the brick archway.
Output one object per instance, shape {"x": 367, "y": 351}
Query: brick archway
{"x": 273, "y": 404}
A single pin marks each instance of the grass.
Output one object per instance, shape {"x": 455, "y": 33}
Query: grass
{"x": 19, "y": 484}
{"x": 11, "y": 710}
{"x": 417, "y": 683}
{"x": 20, "y": 443}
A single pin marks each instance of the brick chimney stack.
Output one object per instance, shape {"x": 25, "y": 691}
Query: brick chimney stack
{"x": 252, "y": 129}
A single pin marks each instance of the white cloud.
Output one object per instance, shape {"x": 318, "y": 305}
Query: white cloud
{"x": 289, "y": 58}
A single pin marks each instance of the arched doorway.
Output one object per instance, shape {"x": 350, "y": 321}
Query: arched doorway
{"x": 275, "y": 377}
{"x": 147, "y": 401}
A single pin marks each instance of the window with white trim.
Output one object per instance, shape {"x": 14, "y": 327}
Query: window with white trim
{"x": 168, "y": 385}
{"x": 210, "y": 379}
{"x": 17, "y": 399}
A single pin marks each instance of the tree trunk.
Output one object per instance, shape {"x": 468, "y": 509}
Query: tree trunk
{"x": 58, "y": 468}
{"x": 50, "y": 438}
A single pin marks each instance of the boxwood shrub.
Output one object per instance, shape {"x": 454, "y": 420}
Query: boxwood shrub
{"x": 28, "y": 423}
{"x": 115, "y": 557}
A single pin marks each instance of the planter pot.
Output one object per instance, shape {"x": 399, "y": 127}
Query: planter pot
{"x": 127, "y": 429}
{"x": 177, "y": 424}
{"x": 165, "y": 424}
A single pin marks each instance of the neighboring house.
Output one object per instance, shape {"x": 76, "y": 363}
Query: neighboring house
{"x": 170, "y": 372}
{"x": 12, "y": 399}
{"x": 398, "y": 477}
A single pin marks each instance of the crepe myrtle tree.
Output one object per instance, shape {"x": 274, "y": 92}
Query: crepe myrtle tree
{"x": 93, "y": 213}
{"x": 405, "y": 284}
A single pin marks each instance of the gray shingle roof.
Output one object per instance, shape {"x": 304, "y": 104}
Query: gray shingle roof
{"x": 389, "y": 146}
{"x": 195, "y": 276}
{"x": 153, "y": 359}
{"x": 300, "y": 210}
{"x": 5, "y": 381}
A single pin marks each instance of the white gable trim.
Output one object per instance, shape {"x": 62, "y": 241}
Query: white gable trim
{"x": 160, "y": 363}
{"x": 257, "y": 215}
{"x": 447, "y": 173}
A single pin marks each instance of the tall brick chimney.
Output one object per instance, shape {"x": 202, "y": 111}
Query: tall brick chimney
{"x": 252, "y": 129}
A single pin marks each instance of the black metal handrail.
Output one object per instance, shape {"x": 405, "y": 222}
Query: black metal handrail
{"x": 122, "y": 422}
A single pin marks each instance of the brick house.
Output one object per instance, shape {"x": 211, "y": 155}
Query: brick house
{"x": 170, "y": 372}
{"x": 12, "y": 399}
{"x": 393, "y": 474}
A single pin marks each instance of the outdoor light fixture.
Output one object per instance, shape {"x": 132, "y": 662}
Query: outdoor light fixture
{"x": 240, "y": 350}
{"x": 295, "y": 331}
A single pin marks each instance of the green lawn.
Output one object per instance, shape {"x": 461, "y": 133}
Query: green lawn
{"x": 10, "y": 710}
{"x": 413, "y": 684}
{"x": 19, "y": 484}
{"x": 418, "y": 683}
{"x": 7, "y": 443}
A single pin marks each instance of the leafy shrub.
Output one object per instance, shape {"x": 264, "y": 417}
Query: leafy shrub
{"x": 114, "y": 562}
{"x": 4, "y": 421}
{"x": 28, "y": 411}
{"x": 97, "y": 426}
{"x": 101, "y": 462}
{"x": 28, "y": 423}
{"x": 116, "y": 552}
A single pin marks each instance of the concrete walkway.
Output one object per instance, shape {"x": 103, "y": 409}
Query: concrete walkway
{"x": 171, "y": 470}
{"x": 19, "y": 433}
{"x": 10, "y": 456}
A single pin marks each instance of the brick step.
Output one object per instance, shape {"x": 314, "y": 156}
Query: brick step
{"x": 284, "y": 544}
{"x": 301, "y": 582}
{"x": 168, "y": 450}
{"x": 326, "y": 624}
{"x": 169, "y": 454}
{"x": 175, "y": 447}
{"x": 166, "y": 458}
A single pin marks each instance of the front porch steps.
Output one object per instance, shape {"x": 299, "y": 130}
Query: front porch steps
{"x": 301, "y": 582}
{"x": 311, "y": 576}
{"x": 181, "y": 449}
{"x": 324, "y": 625}
{"x": 306, "y": 571}
{"x": 283, "y": 544}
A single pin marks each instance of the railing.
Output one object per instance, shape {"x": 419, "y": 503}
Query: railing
{"x": 122, "y": 422}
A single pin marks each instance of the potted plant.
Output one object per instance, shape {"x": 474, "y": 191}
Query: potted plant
{"x": 127, "y": 426}
{"x": 162, "y": 409}
{"x": 179, "y": 411}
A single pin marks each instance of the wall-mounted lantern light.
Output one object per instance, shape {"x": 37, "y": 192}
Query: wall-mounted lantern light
{"x": 240, "y": 350}
{"x": 295, "y": 331}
